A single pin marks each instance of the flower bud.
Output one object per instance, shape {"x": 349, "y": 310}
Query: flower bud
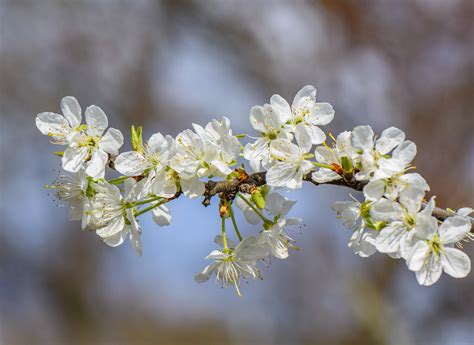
{"x": 258, "y": 198}
{"x": 224, "y": 210}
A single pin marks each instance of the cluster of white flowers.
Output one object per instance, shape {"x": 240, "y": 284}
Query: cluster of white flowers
{"x": 291, "y": 148}
{"x": 393, "y": 219}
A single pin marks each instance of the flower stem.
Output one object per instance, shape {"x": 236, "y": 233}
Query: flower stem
{"x": 234, "y": 223}
{"x": 265, "y": 220}
{"x": 321, "y": 165}
{"x": 146, "y": 201}
{"x": 224, "y": 236}
{"x": 149, "y": 208}
{"x": 118, "y": 180}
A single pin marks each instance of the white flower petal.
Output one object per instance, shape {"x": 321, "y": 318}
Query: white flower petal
{"x": 455, "y": 262}
{"x": 115, "y": 226}
{"x": 430, "y": 272}
{"x": 281, "y": 107}
{"x": 411, "y": 199}
{"x": 73, "y": 158}
{"x": 386, "y": 210}
{"x": 303, "y": 137}
{"x": 323, "y": 114}
{"x": 426, "y": 226}
{"x": 111, "y": 141}
{"x": 96, "y": 166}
{"x": 362, "y": 137}
{"x": 374, "y": 190}
{"x": 192, "y": 188}
{"x": 418, "y": 256}
{"x": 305, "y": 97}
{"x": 53, "y": 125}
{"x": 389, "y": 139}
{"x": 162, "y": 215}
{"x": 454, "y": 229}
{"x": 324, "y": 175}
{"x": 131, "y": 163}
{"x": 316, "y": 134}
{"x": 405, "y": 152}
{"x": 71, "y": 111}
{"x": 390, "y": 238}
{"x": 96, "y": 121}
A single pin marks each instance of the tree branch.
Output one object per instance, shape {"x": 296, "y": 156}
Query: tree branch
{"x": 245, "y": 183}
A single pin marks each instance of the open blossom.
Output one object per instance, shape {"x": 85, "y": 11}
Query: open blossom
{"x": 153, "y": 159}
{"x": 111, "y": 217}
{"x": 87, "y": 146}
{"x": 290, "y": 161}
{"x": 206, "y": 152}
{"x": 332, "y": 158}
{"x": 356, "y": 216}
{"x": 390, "y": 188}
{"x": 270, "y": 125}
{"x": 374, "y": 160}
{"x": 306, "y": 111}
{"x": 219, "y": 133}
{"x": 404, "y": 220}
{"x": 433, "y": 253}
{"x": 275, "y": 235}
{"x": 59, "y": 127}
{"x": 73, "y": 189}
{"x": 231, "y": 266}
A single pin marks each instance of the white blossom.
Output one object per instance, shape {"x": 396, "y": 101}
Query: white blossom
{"x": 404, "y": 219}
{"x": 153, "y": 159}
{"x": 290, "y": 161}
{"x": 390, "y": 188}
{"x": 356, "y": 216}
{"x": 274, "y": 235}
{"x": 375, "y": 162}
{"x": 306, "y": 111}
{"x": 332, "y": 158}
{"x": 73, "y": 188}
{"x": 270, "y": 125}
{"x": 87, "y": 146}
{"x": 434, "y": 251}
{"x": 111, "y": 216}
{"x": 231, "y": 266}
{"x": 59, "y": 127}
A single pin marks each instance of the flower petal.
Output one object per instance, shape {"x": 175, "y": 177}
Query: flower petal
{"x": 73, "y": 158}
{"x": 111, "y": 141}
{"x": 303, "y": 138}
{"x": 454, "y": 229}
{"x": 390, "y": 138}
{"x": 192, "y": 188}
{"x": 430, "y": 272}
{"x": 362, "y": 137}
{"x": 71, "y": 111}
{"x": 374, "y": 190}
{"x": 96, "y": 166}
{"x": 96, "y": 121}
{"x": 281, "y": 107}
{"x": 162, "y": 215}
{"x": 53, "y": 125}
{"x": 455, "y": 262}
{"x": 418, "y": 255}
{"x": 131, "y": 163}
{"x": 405, "y": 152}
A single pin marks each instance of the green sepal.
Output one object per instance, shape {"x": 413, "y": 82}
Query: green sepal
{"x": 137, "y": 139}
{"x": 59, "y": 153}
{"x": 258, "y": 198}
{"x": 347, "y": 166}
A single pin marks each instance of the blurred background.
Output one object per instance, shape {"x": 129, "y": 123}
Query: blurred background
{"x": 166, "y": 64}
